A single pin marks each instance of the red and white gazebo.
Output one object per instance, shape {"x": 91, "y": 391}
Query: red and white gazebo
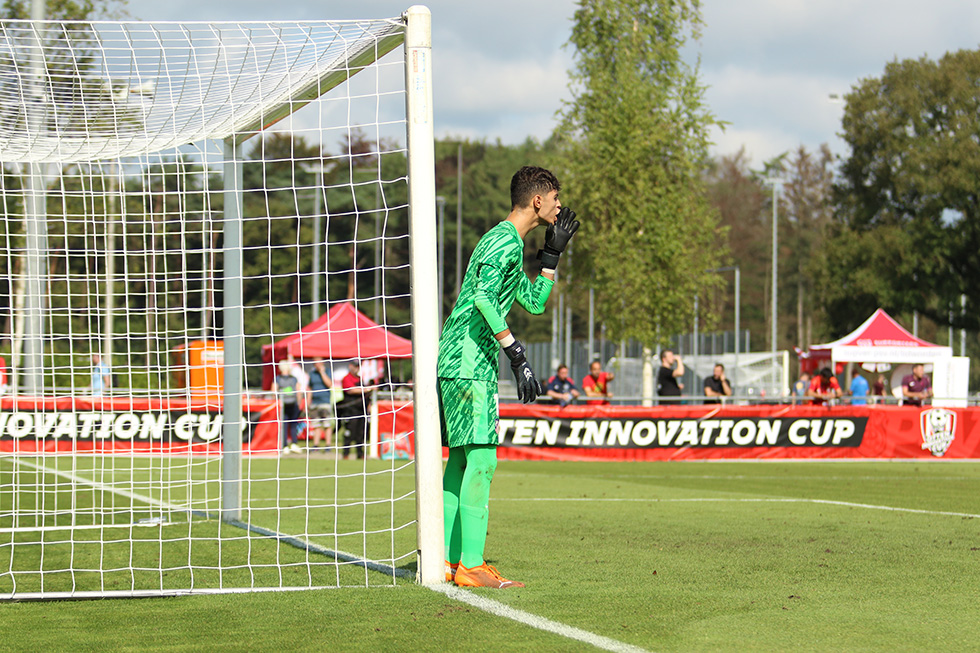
{"x": 880, "y": 340}
{"x": 883, "y": 340}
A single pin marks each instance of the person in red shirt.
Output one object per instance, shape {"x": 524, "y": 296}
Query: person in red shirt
{"x": 596, "y": 384}
{"x": 824, "y": 387}
{"x": 353, "y": 409}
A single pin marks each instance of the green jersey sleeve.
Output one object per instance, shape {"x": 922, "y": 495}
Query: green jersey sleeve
{"x": 487, "y": 297}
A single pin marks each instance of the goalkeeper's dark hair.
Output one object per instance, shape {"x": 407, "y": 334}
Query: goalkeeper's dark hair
{"x": 530, "y": 181}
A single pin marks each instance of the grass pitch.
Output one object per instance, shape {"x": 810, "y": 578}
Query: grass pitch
{"x": 661, "y": 556}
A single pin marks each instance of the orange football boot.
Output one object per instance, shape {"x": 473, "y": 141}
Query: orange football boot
{"x": 483, "y": 576}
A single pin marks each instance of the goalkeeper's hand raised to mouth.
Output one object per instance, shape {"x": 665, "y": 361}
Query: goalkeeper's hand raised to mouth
{"x": 556, "y": 238}
{"x": 528, "y": 386}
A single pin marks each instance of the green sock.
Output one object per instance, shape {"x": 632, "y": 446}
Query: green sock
{"x": 451, "y": 481}
{"x": 474, "y": 497}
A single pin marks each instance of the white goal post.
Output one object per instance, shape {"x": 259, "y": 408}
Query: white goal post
{"x": 218, "y": 307}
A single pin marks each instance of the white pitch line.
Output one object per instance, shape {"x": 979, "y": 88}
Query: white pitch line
{"x": 829, "y": 502}
{"x": 535, "y": 621}
{"x": 102, "y": 486}
{"x": 487, "y": 605}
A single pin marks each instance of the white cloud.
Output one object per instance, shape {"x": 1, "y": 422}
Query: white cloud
{"x": 789, "y": 110}
{"x": 500, "y": 71}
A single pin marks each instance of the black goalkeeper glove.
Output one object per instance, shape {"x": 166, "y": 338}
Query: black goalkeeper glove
{"x": 528, "y": 387}
{"x": 557, "y": 237}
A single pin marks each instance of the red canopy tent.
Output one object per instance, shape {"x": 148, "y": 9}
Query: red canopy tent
{"x": 342, "y": 333}
{"x": 879, "y": 340}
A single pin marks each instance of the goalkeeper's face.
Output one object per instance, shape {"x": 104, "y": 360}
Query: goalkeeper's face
{"x": 548, "y": 207}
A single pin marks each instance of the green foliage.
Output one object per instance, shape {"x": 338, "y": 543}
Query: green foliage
{"x": 68, "y": 9}
{"x": 914, "y": 167}
{"x": 742, "y": 203}
{"x": 634, "y": 143}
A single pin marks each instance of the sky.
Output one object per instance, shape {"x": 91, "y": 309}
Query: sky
{"x": 500, "y": 71}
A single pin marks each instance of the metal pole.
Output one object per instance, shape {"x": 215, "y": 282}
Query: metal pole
{"x": 234, "y": 335}
{"x": 738, "y": 308}
{"x": 317, "y": 209}
{"x": 962, "y": 330}
{"x": 378, "y": 253}
{"x": 949, "y": 334}
{"x": 108, "y": 329}
{"x": 695, "y": 349}
{"x": 35, "y": 219}
{"x": 441, "y": 205}
{"x": 459, "y": 220}
{"x": 554, "y": 330}
{"x": 568, "y": 335}
{"x": 425, "y": 298}
{"x": 775, "y": 267}
{"x": 591, "y": 326}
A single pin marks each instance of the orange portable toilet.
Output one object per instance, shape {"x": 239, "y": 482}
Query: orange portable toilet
{"x": 200, "y": 366}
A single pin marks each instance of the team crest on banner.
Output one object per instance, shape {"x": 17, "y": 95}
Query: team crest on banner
{"x": 938, "y": 427}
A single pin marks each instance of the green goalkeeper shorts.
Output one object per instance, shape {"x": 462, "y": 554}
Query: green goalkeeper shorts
{"x": 469, "y": 412}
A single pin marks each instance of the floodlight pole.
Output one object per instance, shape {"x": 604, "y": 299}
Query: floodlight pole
{"x": 774, "y": 182}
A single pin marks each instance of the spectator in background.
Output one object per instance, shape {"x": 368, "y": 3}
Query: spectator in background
{"x": 824, "y": 387}
{"x": 289, "y": 393}
{"x": 717, "y": 386}
{"x": 101, "y": 376}
{"x": 321, "y": 404}
{"x": 878, "y": 389}
{"x": 354, "y": 409}
{"x": 916, "y": 387}
{"x": 561, "y": 388}
{"x": 801, "y": 385}
{"x": 859, "y": 389}
{"x": 296, "y": 369}
{"x": 596, "y": 384}
{"x": 668, "y": 386}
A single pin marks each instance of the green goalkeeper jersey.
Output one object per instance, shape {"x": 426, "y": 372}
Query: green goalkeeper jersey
{"x": 494, "y": 279}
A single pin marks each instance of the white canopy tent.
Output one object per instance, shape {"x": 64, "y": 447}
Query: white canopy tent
{"x": 883, "y": 340}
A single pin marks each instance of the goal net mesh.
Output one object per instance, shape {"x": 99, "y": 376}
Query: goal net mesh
{"x": 119, "y": 142}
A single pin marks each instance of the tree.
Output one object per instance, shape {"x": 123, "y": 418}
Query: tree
{"x": 742, "y": 203}
{"x": 808, "y": 210}
{"x": 55, "y": 70}
{"x": 634, "y": 143}
{"x": 913, "y": 179}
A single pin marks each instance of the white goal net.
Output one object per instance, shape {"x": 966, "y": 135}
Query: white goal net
{"x": 206, "y": 229}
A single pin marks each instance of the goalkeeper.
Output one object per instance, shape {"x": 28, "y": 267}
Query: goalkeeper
{"x": 467, "y": 368}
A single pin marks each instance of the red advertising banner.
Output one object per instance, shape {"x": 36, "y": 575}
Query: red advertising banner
{"x": 540, "y": 432}
{"x": 115, "y": 424}
{"x": 532, "y": 432}
{"x": 733, "y": 432}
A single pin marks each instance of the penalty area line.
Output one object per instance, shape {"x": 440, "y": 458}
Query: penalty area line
{"x": 534, "y": 621}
